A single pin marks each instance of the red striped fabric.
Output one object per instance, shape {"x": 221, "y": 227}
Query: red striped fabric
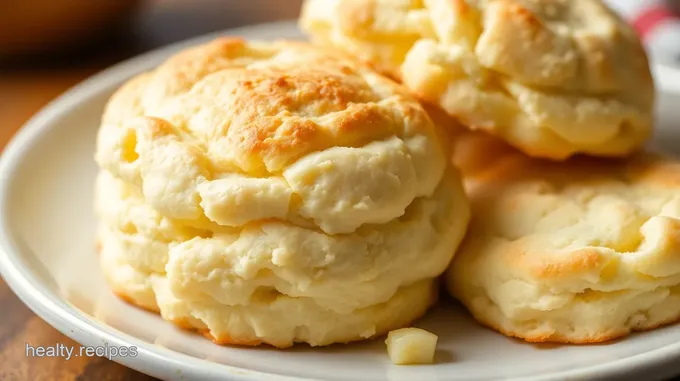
{"x": 650, "y": 18}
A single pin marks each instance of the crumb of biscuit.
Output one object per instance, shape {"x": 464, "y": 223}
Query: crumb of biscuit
{"x": 410, "y": 346}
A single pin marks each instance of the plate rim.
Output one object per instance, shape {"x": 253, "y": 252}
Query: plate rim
{"x": 153, "y": 359}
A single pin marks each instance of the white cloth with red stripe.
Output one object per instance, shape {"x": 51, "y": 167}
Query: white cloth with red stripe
{"x": 656, "y": 24}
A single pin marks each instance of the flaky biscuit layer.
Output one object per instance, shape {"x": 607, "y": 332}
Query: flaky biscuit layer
{"x": 277, "y": 283}
{"x": 126, "y": 278}
{"x": 341, "y": 273}
{"x": 552, "y": 77}
{"x": 580, "y": 252}
{"x": 275, "y": 319}
{"x": 232, "y": 132}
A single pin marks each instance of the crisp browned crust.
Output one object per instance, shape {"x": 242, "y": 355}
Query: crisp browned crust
{"x": 130, "y": 300}
{"x": 184, "y": 324}
{"x": 227, "y": 340}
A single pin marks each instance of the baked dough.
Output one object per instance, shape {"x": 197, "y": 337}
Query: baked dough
{"x": 552, "y": 77}
{"x": 275, "y": 192}
{"x": 578, "y": 252}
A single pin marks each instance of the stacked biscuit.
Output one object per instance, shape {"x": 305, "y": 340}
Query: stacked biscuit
{"x": 563, "y": 246}
{"x": 275, "y": 192}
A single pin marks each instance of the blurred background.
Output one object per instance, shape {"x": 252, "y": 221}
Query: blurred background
{"x": 46, "y": 46}
{"x": 49, "y": 26}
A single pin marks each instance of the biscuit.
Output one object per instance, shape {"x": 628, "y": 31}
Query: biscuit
{"x": 276, "y": 193}
{"x": 552, "y": 77}
{"x": 579, "y": 252}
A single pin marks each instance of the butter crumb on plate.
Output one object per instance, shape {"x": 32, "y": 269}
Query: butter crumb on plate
{"x": 410, "y": 346}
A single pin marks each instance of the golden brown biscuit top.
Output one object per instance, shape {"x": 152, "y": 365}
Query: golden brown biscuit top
{"x": 265, "y": 106}
{"x": 264, "y": 103}
{"x": 552, "y": 77}
{"x": 575, "y": 45}
{"x": 283, "y": 128}
{"x": 570, "y": 44}
{"x": 584, "y": 216}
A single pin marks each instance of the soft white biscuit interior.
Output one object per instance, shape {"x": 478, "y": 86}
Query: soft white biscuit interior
{"x": 552, "y": 77}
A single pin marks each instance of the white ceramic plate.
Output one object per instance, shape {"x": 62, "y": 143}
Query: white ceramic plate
{"x": 48, "y": 259}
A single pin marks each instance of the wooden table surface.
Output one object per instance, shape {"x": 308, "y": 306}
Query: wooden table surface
{"x": 27, "y": 85}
